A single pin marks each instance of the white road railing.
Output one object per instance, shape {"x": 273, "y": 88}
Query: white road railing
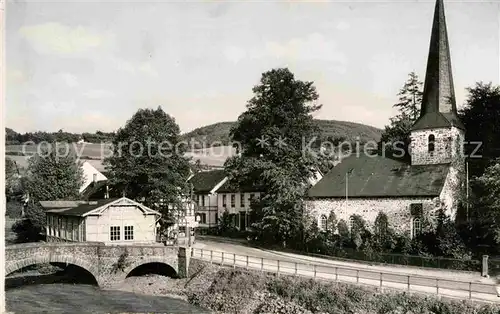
{"x": 411, "y": 283}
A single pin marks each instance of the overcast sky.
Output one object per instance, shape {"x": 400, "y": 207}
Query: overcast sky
{"x": 87, "y": 66}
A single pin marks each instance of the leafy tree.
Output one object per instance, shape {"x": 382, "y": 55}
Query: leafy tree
{"x": 13, "y": 185}
{"x": 52, "y": 175}
{"x": 383, "y": 237}
{"x": 481, "y": 118}
{"x": 486, "y": 204}
{"x": 226, "y": 226}
{"x": 148, "y": 163}
{"x": 331, "y": 222}
{"x": 280, "y": 109}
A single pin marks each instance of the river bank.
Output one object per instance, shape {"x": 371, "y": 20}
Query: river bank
{"x": 226, "y": 290}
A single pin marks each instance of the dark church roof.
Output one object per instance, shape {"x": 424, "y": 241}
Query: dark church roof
{"x": 439, "y": 107}
{"x": 205, "y": 181}
{"x": 380, "y": 177}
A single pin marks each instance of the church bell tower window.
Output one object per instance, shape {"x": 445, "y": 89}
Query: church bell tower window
{"x": 431, "y": 144}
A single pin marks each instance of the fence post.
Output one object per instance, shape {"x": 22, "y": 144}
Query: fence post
{"x": 222, "y": 262}
{"x": 247, "y": 261}
{"x": 336, "y": 274}
{"x": 262, "y": 264}
{"x": 234, "y": 260}
{"x": 201, "y": 253}
{"x": 484, "y": 271}
{"x": 357, "y": 276}
{"x": 470, "y": 290}
{"x": 314, "y": 266}
{"x": 295, "y": 268}
{"x": 408, "y": 283}
{"x": 211, "y": 256}
{"x": 381, "y": 278}
{"x": 437, "y": 286}
{"x": 278, "y": 273}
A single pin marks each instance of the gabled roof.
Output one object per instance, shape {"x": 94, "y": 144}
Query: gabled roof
{"x": 380, "y": 177}
{"x": 206, "y": 181}
{"x": 83, "y": 208}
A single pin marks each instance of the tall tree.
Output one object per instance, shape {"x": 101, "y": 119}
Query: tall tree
{"x": 396, "y": 135}
{"x": 410, "y": 97}
{"x": 148, "y": 162}
{"x": 481, "y": 118}
{"x": 271, "y": 133}
{"x": 51, "y": 175}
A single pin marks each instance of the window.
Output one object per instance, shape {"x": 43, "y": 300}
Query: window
{"x": 224, "y": 204}
{"x": 351, "y": 223}
{"x": 63, "y": 228}
{"x": 114, "y": 233}
{"x": 233, "y": 200}
{"x": 203, "y": 218}
{"x": 416, "y": 227}
{"x": 217, "y": 218}
{"x": 197, "y": 199}
{"x": 242, "y": 200}
{"x": 129, "y": 232}
{"x": 431, "y": 143}
{"x": 323, "y": 222}
{"x": 70, "y": 229}
{"x": 203, "y": 200}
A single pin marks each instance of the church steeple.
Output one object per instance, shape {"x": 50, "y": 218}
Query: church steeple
{"x": 439, "y": 107}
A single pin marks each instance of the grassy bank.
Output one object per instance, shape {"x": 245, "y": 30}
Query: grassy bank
{"x": 227, "y": 290}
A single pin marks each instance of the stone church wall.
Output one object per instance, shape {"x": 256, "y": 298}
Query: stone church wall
{"x": 396, "y": 209}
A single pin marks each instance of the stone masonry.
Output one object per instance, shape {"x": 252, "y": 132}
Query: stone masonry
{"x": 108, "y": 264}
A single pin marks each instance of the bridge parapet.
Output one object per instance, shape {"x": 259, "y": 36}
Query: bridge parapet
{"x": 107, "y": 263}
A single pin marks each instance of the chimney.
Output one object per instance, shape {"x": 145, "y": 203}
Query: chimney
{"x": 95, "y": 177}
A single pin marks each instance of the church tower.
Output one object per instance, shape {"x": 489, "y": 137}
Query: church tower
{"x": 438, "y": 134}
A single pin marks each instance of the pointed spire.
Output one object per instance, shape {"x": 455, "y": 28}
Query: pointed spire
{"x": 439, "y": 107}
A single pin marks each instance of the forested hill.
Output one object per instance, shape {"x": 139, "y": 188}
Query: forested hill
{"x": 329, "y": 130}
{"x": 217, "y": 133}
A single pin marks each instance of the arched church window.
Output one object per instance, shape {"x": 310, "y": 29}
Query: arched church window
{"x": 323, "y": 222}
{"x": 431, "y": 143}
{"x": 416, "y": 227}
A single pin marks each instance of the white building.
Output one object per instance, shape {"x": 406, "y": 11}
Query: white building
{"x": 112, "y": 221}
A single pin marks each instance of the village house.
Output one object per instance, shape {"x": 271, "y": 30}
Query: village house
{"x": 112, "y": 221}
{"x": 205, "y": 185}
{"x": 214, "y": 195}
{"x": 410, "y": 193}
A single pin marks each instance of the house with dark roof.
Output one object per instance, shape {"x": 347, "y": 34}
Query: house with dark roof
{"x": 112, "y": 221}
{"x": 412, "y": 192}
{"x": 205, "y": 185}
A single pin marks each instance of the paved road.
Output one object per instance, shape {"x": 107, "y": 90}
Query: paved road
{"x": 432, "y": 281}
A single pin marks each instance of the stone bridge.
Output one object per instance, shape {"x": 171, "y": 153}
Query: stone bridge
{"x": 108, "y": 264}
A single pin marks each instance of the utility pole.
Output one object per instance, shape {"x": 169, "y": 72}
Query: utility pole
{"x": 467, "y": 186}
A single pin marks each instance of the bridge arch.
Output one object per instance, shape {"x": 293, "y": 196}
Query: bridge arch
{"x": 13, "y": 266}
{"x": 150, "y": 260}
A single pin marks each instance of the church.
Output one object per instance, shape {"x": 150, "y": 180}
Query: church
{"x": 411, "y": 193}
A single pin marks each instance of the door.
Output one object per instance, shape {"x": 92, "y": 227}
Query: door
{"x": 243, "y": 221}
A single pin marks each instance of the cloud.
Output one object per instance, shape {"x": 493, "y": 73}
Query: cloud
{"x": 148, "y": 69}
{"x": 342, "y": 26}
{"x": 235, "y": 54}
{"x": 98, "y": 94}
{"x": 55, "y": 38}
{"x": 69, "y": 79}
{"x": 314, "y": 47}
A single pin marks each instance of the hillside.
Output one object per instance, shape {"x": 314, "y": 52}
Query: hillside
{"x": 329, "y": 129}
